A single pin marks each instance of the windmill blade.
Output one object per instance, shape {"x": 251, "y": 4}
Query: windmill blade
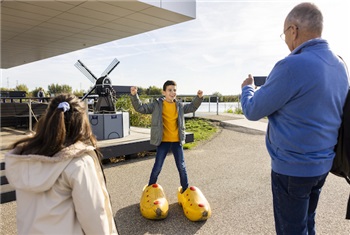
{"x": 87, "y": 94}
{"x": 110, "y": 68}
{"x": 85, "y": 71}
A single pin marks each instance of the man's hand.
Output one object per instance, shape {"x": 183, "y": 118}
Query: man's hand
{"x": 248, "y": 81}
{"x": 133, "y": 90}
{"x": 200, "y": 93}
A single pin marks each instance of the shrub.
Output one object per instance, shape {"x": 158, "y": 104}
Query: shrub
{"x": 238, "y": 111}
{"x": 229, "y": 110}
{"x": 136, "y": 119}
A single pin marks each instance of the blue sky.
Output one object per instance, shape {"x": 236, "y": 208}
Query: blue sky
{"x": 214, "y": 52}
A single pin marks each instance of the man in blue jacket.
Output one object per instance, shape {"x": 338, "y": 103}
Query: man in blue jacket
{"x": 303, "y": 98}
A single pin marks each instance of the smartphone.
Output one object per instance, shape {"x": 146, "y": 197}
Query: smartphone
{"x": 259, "y": 80}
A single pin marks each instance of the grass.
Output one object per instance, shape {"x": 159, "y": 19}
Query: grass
{"x": 201, "y": 129}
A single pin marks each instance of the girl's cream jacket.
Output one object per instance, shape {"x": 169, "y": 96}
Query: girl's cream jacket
{"x": 63, "y": 194}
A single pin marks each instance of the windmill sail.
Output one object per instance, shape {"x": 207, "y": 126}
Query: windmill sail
{"x": 85, "y": 71}
{"x": 110, "y": 68}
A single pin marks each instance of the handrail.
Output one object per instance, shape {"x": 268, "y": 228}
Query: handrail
{"x": 21, "y": 99}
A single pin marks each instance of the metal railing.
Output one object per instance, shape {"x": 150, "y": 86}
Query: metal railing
{"x": 209, "y": 100}
{"x": 184, "y": 98}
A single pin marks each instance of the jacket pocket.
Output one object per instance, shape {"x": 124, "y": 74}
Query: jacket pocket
{"x": 156, "y": 134}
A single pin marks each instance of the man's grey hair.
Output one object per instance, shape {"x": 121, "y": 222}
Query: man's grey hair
{"x": 308, "y": 17}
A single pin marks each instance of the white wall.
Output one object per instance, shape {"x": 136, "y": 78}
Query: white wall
{"x": 186, "y": 7}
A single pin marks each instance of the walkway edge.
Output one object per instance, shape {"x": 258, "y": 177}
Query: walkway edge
{"x": 240, "y": 128}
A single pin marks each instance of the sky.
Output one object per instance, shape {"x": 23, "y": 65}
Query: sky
{"x": 214, "y": 52}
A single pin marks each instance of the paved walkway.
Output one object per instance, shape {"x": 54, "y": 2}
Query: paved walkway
{"x": 232, "y": 170}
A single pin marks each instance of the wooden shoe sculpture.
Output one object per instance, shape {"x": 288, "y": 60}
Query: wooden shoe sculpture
{"x": 194, "y": 204}
{"x": 153, "y": 204}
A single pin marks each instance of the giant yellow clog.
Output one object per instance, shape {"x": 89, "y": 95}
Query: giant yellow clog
{"x": 194, "y": 204}
{"x": 153, "y": 204}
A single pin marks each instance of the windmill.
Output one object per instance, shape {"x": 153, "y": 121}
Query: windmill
{"x": 103, "y": 87}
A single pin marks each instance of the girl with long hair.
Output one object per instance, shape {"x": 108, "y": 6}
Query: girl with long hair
{"x": 59, "y": 182}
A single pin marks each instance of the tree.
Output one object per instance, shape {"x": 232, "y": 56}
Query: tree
{"x": 230, "y": 98}
{"x": 79, "y": 93}
{"x": 6, "y": 89}
{"x": 153, "y": 90}
{"x": 213, "y": 97}
{"x": 56, "y": 89}
{"x": 218, "y": 94}
{"x": 22, "y": 87}
{"x": 141, "y": 91}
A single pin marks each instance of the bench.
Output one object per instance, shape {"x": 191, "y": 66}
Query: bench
{"x": 22, "y": 114}
{"x": 7, "y": 114}
{"x": 39, "y": 109}
{"x": 17, "y": 114}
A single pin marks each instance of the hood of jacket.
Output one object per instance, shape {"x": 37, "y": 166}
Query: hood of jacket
{"x": 38, "y": 173}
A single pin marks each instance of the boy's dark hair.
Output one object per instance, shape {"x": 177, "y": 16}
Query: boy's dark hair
{"x": 168, "y": 83}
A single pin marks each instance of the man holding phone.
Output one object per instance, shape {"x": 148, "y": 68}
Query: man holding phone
{"x": 303, "y": 98}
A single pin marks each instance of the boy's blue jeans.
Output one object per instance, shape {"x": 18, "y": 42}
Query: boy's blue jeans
{"x": 294, "y": 203}
{"x": 162, "y": 151}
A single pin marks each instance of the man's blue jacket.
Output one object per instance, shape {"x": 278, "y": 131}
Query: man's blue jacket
{"x": 303, "y": 99}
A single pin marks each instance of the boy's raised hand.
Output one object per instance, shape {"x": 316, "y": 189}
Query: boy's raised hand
{"x": 133, "y": 90}
{"x": 200, "y": 93}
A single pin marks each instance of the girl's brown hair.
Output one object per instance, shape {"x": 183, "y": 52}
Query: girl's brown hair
{"x": 57, "y": 129}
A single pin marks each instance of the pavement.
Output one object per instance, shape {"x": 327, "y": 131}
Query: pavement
{"x": 232, "y": 169}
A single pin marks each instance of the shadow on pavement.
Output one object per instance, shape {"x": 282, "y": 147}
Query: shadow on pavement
{"x": 130, "y": 221}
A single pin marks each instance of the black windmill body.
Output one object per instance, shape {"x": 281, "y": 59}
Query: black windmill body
{"x": 103, "y": 87}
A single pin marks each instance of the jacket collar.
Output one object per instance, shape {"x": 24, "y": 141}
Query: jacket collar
{"x": 309, "y": 43}
{"x": 72, "y": 151}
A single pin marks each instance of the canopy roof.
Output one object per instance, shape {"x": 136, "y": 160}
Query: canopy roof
{"x": 36, "y": 30}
